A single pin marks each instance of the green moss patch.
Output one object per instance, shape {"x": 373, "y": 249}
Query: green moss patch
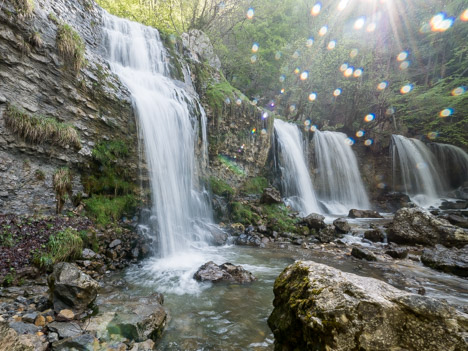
{"x": 105, "y": 209}
{"x": 254, "y": 185}
{"x": 220, "y": 187}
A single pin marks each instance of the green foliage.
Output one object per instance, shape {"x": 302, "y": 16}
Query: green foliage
{"x": 231, "y": 165}
{"x": 254, "y": 185}
{"x": 38, "y": 129}
{"x": 244, "y": 214}
{"x": 220, "y": 187}
{"x": 278, "y": 218}
{"x": 9, "y": 278}
{"x": 106, "y": 209}
{"x": 6, "y": 236}
{"x": 62, "y": 246}
{"x": 51, "y": 16}
{"x": 217, "y": 93}
{"x": 40, "y": 175}
{"x": 108, "y": 152}
{"x": 70, "y": 46}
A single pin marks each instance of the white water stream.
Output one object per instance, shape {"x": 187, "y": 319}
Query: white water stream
{"x": 296, "y": 182}
{"x": 169, "y": 127}
{"x": 340, "y": 186}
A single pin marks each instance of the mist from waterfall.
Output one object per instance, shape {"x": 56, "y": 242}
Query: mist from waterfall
{"x": 296, "y": 183}
{"x": 418, "y": 170}
{"x": 169, "y": 126}
{"x": 339, "y": 184}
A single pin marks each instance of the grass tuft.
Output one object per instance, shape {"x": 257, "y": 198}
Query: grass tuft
{"x": 70, "y": 46}
{"x": 25, "y": 8}
{"x": 254, "y": 185}
{"x": 105, "y": 209}
{"x": 62, "y": 182}
{"x": 35, "y": 39}
{"x": 37, "y": 129}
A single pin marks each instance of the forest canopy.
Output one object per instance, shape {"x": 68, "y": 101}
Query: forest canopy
{"x": 370, "y": 67}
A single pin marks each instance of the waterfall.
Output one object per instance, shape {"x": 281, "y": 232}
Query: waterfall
{"x": 296, "y": 182}
{"x": 340, "y": 186}
{"x": 169, "y": 129}
{"x": 419, "y": 173}
{"x": 452, "y": 164}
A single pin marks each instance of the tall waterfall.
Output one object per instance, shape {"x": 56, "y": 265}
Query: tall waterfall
{"x": 340, "y": 186}
{"x": 419, "y": 174}
{"x": 169, "y": 129}
{"x": 296, "y": 182}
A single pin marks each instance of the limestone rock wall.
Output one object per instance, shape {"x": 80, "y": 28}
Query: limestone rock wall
{"x": 36, "y": 79}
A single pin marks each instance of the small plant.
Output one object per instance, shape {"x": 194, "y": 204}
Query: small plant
{"x": 53, "y": 18}
{"x": 65, "y": 245}
{"x": 9, "y": 278}
{"x": 62, "y": 182}
{"x": 35, "y": 39}
{"x": 6, "y": 237}
{"x": 25, "y": 8}
{"x": 40, "y": 175}
{"x": 70, "y": 46}
{"x": 37, "y": 129}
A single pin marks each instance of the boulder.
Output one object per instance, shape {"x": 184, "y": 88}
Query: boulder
{"x": 412, "y": 226}
{"x": 65, "y": 329}
{"x": 458, "y": 205}
{"x": 271, "y": 196}
{"x": 363, "y": 254}
{"x": 342, "y": 225}
{"x": 317, "y": 307}
{"x": 11, "y": 340}
{"x": 327, "y": 234}
{"x": 457, "y": 220}
{"x": 375, "y": 235}
{"x": 227, "y": 272}
{"x": 84, "y": 342}
{"x": 453, "y": 261}
{"x": 70, "y": 288}
{"x": 393, "y": 201}
{"x": 142, "y": 323}
{"x": 200, "y": 48}
{"x": 364, "y": 214}
{"x": 397, "y": 253}
{"x": 314, "y": 221}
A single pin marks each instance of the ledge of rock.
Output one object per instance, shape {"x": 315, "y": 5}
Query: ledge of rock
{"x": 227, "y": 272}
{"x": 321, "y": 308}
{"x": 416, "y": 226}
{"x": 364, "y": 214}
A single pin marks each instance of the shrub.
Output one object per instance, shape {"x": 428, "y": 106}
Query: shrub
{"x": 35, "y": 39}
{"x": 70, "y": 46}
{"x": 37, "y": 129}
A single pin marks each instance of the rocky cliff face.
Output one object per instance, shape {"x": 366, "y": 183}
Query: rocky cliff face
{"x": 38, "y": 80}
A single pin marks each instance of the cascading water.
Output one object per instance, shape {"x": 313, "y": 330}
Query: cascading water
{"x": 452, "y": 164}
{"x": 419, "y": 174}
{"x": 169, "y": 130}
{"x": 340, "y": 186}
{"x": 296, "y": 182}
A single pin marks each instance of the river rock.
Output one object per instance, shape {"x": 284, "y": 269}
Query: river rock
{"x": 453, "y": 261}
{"x": 327, "y": 234}
{"x": 397, "y": 253}
{"x": 317, "y": 307}
{"x": 363, "y": 254}
{"x": 457, "y": 220}
{"x": 227, "y": 272}
{"x": 374, "y": 235}
{"x": 84, "y": 342}
{"x": 342, "y": 225}
{"x": 71, "y": 288}
{"x": 364, "y": 214}
{"x": 142, "y": 323}
{"x": 65, "y": 329}
{"x": 416, "y": 226}
{"x": 271, "y": 196}
{"x": 314, "y": 221}
{"x": 458, "y": 205}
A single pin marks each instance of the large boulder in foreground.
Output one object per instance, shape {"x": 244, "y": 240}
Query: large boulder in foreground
{"x": 70, "y": 288}
{"x": 412, "y": 226}
{"x": 321, "y": 308}
{"x": 453, "y": 261}
{"x": 227, "y": 272}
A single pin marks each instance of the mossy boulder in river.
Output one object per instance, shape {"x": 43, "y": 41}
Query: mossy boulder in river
{"x": 321, "y": 308}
